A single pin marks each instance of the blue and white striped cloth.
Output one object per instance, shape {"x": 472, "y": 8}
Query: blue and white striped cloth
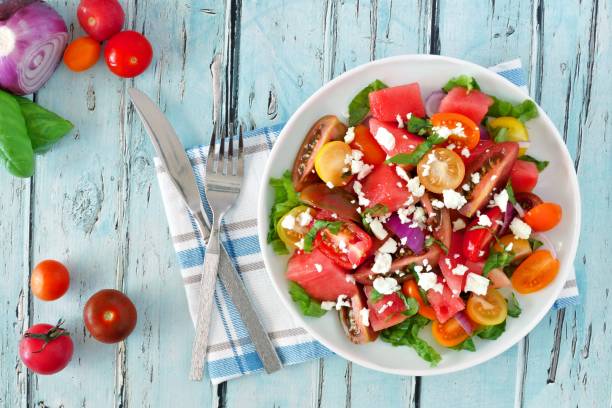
{"x": 231, "y": 353}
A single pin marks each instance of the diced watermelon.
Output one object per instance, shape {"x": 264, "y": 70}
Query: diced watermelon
{"x": 444, "y": 304}
{"x": 474, "y": 104}
{"x": 391, "y": 314}
{"x": 325, "y": 285}
{"x": 449, "y": 262}
{"x": 405, "y": 142}
{"x": 387, "y": 103}
{"x": 381, "y": 187}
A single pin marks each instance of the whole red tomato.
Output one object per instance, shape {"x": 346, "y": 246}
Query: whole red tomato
{"x": 101, "y": 19}
{"x": 128, "y": 54}
{"x": 46, "y": 349}
{"x": 110, "y": 316}
{"x": 50, "y": 280}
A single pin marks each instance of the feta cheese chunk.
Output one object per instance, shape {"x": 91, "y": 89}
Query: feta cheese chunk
{"x": 382, "y": 263}
{"x": 465, "y": 152}
{"x": 520, "y": 229}
{"x": 364, "y": 315}
{"x": 429, "y": 280}
{"x": 350, "y": 135}
{"x": 415, "y": 187}
{"x": 385, "y": 138}
{"x": 501, "y": 200}
{"x": 475, "y": 177}
{"x": 460, "y": 270}
{"x": 304, "y": 218}
{"x": 484, "y": 220}
{"x": 476, "y": 284}
{"x": 400, "y": 122}
{"x": 389, "y": 247}
{"x": 318, "y": 267}
{"x": 342, "y": 302}
{"x": 363, "y": 201}
{"x": 385, "y": 286}
{"x": 377, "y": 229}
{"x": 288, "y": 222}
{"x": 328, "y": 305}
{"x": 453, "y": 200}
{"x": 437, "y": 204}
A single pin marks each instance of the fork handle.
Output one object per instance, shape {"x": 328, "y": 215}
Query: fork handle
{"x": 207, "y": 290}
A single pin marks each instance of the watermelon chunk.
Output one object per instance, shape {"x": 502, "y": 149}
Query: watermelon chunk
{"x": 444, "y": 304}
{"x": 390, "y": 315}
{"x": 387, "y": 103}
{"x": 474, "y": 105}
{"x": 325, "y": 285}
{"x": 381, "y": 187}
{"x": 449, "y": 262}
{"x": 405, "y": 142}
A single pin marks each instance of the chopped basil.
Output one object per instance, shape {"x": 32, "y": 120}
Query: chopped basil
{"x": 540, "y": 164}
{"x": 430, "y": 240}
{"x": 491, "y": 332}
{"x": 308, "y": 306}
{"x": 499, "y": 134}
{"x": 360, "y": 105}
{"x": 412, "y": 306}
{"x": 406, "y": 333}
{"x": 497, "y": 260}
{"x": 514, "y": 309}
{"x": 418, "y": 125}
{"x": 285, "y": 199}
{"x": 375, "y": 296}
{"x": 523, "y": 111}
{"x": 464, "y": 81}
{"x": 332, "y": 226}
{"x": 510, "y": 192}
{"x": 377, "y": 211}
{"x": 418, "y": 153}
{"x": 467, "y": 344}
{"x": 535, "y": 243}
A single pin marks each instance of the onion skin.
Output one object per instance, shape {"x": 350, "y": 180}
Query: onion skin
{"x": 464, "y": 322}
{"x": 8, "y": 7}
{"x": 40, "y": 36}
{"x": 432, "y": 102}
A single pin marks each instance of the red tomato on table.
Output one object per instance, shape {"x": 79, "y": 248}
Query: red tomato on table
{"x": 110, "y": 316}
{"x": 46, "y": 349}
{"x": 101, "y": 19}
{"x": 50, "y": 280}
{"x": 128, "y": 54}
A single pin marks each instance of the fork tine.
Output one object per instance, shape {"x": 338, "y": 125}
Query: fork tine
{"x": 210, "y": 168}
{"x": 240, "y": 161}
{"x": 222, "y": 153}
{"x": 230, "y": 153}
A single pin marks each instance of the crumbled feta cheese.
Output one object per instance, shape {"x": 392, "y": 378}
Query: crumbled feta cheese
{"x": 403, "y": 213}
{"x": 364, "y": 171}
{"x": 481, "y": 253}
{"x": 456, "y": 256}
{"x": 402, "y": 173}
{"x": 382, "y": 263}
{"x": 415, "y": 187}
{"x": 334, "y": 216}
{"x": 453, "y": 199}
{"x": 466, "y": 187}
{"x": 476, "y": 283}
{"x": 400, "y": 122}
{"x": 329, "y": 184}
{"x": 349, "y": 278}
{"x": 304, "y": 218}
{"x": 484, "y": 220}
{"x": 327, "y": 305}
{"x": 418, "y": 268}
{"x": 509, "y": 247}
{"x": 409, "y": 116}
{"x": 399, "y": 184}
{"x": 342, "y": 246}
{"x": 501, "y": 200}
{"x": 419, "y": 216}
{"x": 465, "y": 152}
{"x": 425, "y": 262}
{"x": 385, "y": 286}
{"x": 300, "y": 244}
{"x": 389, "y": 247}
{"x": 442, "y": 131}
{"x": 385, "y": 138}
{"x": 288, "y": 222}
{"x": 350, "y": 135}
{"x": 342, "y": 302}
{"x": 493, "y": 177}
{"x": 378, "y": 230}
{"x": 520, "y": 229}
{"x": 475, "y": 177}
{"x": 360, "y": 195}
{"x": 426, "y": 168}
{"x": 448, "y": 263}
{"x": 364, "y": 314}
{"x": 385, "y": 307}
{"x": 403, "y": 240}
{"x": 458, "y": 224}
{"x": 437, "y": 203}
{"x": 460, "y": 269}
{"x": 318, "y": 267}
{"x": 429, "y": 280}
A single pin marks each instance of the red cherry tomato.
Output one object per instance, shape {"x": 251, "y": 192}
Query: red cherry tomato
{"x": 476, "y": 241}
{"x": 348, "y": 248}
{"x": 128, "y": 54}
{"x": 364, "y": 141}
{"x": 110, "y": 316}
{"x": 50, "y": 280}
{"x": 524, "y": 176}
{"x": 46, "y": 349}
{"x": 101, "y": 19}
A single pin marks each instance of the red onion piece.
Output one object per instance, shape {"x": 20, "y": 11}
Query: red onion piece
{"x": 508, "y": 216}
{"x": 519, "y": 210}
{"x": 432, "y": 102}
{"x": 499, "y": 279}
{"x": 32, "y": 43}
{"x": 547, "y": 243}
{"x": 464, "y": 322}
{"x": 484, "y": 132}
{"x": 415, "y": 237}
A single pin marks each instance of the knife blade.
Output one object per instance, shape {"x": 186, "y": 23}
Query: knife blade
{"x": 172, "y": 155}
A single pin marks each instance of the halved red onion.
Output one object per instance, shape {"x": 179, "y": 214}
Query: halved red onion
{"x": 464, "y": 322}
{"x": 8, "y": 7}
{"x": 32, "y": 43}
{"x": 432, "y": 102}
{"x": 415, "y": 237}
{"x": 484, "y": 132}
{"x": 547, "y": 243}
{"x": 508, "y": 216}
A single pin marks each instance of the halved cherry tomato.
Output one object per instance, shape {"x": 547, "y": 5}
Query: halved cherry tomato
{"x": 451, "y": 121}
{"x": 411, "y": 289}
{"x": 520, "y": 247}
{"x": 544, "y": 217}
{"x": 477, "y": 240}
{"x": 82, "y": 54}
{"x": 331, "y": 165}
{"x": 441, "y": 169}
{"x": 326, "y": 129}
{"x": 348, "y": 248}
{"x": 524, "y": 176}
{"x": 536, "y": 272}
{"x": 487, "y": 310}
{"x": 335, "y": 200}
{"x": 364, "y": 141}
{"x": 516, "y": 131}
{"x": 292, "y": 236}
{"x": 448, "y": 334}
{"x": 527, "y": 200}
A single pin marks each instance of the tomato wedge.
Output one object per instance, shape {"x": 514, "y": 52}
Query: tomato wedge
{"x": 477, "y": 240}
{"x": 441, "y": 169}
{"x": 448, "y": 334}
{"x": 335, "y": 200}
{"x": 454, "y": 120}
{"x": 348, "y": 248}
{"x": 536, "y": 272}
{"x": 487, "y": 310}
{"x": 364, "y": 141}
{"x": 544, "y": 217}
{"x": 527, "y": 200}
{"x": 411, "y": 289}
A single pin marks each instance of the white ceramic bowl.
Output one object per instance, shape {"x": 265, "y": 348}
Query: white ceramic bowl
{"x": 558, "y": 183}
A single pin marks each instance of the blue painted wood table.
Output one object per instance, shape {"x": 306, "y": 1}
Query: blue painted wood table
{"x": 94, "y": 201}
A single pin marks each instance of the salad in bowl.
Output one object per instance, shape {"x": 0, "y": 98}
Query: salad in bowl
{"x": 414, "y": 220}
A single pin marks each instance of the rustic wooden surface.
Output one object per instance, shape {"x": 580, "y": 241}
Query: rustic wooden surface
{"x": 94, "y": 202}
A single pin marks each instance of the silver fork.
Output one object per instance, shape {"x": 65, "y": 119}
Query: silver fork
{"x": 222, "y": 186}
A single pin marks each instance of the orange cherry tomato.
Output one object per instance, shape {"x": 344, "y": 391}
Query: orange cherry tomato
{"x": 441, "y": 169}
{"x": 536, "y": 272}
{"x": 50, "y": 280}
{"x": 364, "y": 141}
{"x": 82, "y": 54}
{"x": 488, "y": 310}
{"x": 543, "y": 217}
{"x": 451, "y": 121}
{"x": 448, "y": 334}
{"x": 520, "y": 247}
{"x": 411, "y": 289}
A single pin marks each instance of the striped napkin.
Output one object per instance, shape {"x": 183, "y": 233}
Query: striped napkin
{"x": 231, "y": 352}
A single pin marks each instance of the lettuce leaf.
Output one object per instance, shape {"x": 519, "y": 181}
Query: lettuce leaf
{"x": 407, "y": 334}
{"x": 523, "y": 111}
{"x": 464, "y": 81}
{"x": 308, "y": 306}
{"x": 360, "y": 105}
{"x": 285, "y": 199}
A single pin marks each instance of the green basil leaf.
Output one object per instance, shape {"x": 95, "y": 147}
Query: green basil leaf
{"x": 500, "y": 134}
{"x": 418, "y": 153}
{"x": 540, "y": 164}
{"x": 333, "y": 227}
{"x": 430, "y": 240}
{"x": 492, "y": 332}
{"x": 375, "y": 296}
{"x": 464, "y": 81}
{"x": 45, "y": 128}
{"x": 510, "y": 191}
{"x": 467, "y": 344}
{"x": 535, "y": 243}
{"x": 497, "y": 260}
{"x": 418, "y": 125}
{"x": 412, "y": 306}
{"x": 514, "y": 308}
{"x": 523, "y": 111}
{"x": 16, "y": 152}
{"x": 406, "y": 333}
{"x": 285, "y": 199}
{"x": 279, "y": 247}
{"x": 360, "y": 105}
{"x": 308, "y": 306}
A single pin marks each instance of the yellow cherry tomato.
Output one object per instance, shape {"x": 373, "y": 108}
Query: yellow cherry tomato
{"x": 488, "y": 310}
{"x": 441, "y": 169}
{"x": 331, "y": 163}
{"x": 520, "y": 247}
{"x": 291, "y": 236}
{"x": 517, "y": 132}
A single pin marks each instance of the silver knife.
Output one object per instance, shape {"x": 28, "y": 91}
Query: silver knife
{"x": 172, "y": 155}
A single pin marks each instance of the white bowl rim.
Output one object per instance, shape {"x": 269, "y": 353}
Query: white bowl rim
{"x": 480, "y": 356}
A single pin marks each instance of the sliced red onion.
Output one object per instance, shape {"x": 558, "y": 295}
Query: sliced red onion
{"x": 484, "y": 132}
{"x": 432, "y": 102}
{"x": 415, "y": 237}
{"x": 32, "y": 42}
{"x": 519, "y": 210}
{"x": 8, "y": 7}
{"x": 499, "y": 279}
{"x": 464, "y": 322}
{"x": 547, "y": 243}
{"x": 508, "y": 216}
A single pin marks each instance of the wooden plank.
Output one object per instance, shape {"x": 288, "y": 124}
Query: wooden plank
{"x": 574, "y": 89}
